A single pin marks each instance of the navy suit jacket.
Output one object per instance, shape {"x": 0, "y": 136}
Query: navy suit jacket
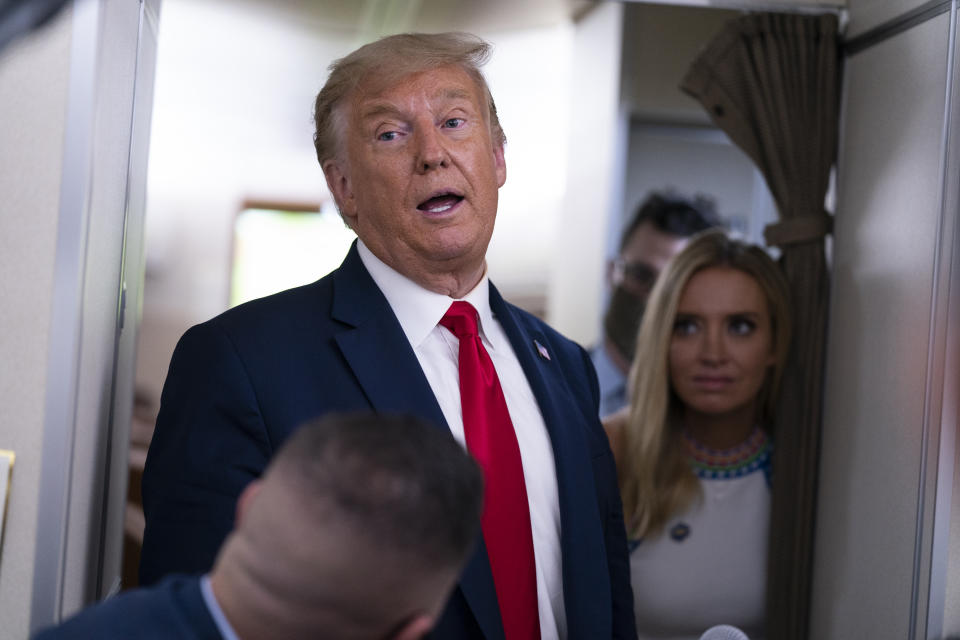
{"x": 172, "y": 609}
{"x": 241, "y": 382}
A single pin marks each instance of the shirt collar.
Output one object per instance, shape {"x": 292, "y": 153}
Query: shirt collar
{"x": 420, "y": 310}
{"x": 223, "y": 625}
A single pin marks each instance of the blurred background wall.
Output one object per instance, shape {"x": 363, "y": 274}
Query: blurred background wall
{"x": 27, "y": 244}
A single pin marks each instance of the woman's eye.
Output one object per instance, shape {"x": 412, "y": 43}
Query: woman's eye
{"x": 684, "y": 327}
{"x": 742, "y": 326}
{"x": 453, "y": 123}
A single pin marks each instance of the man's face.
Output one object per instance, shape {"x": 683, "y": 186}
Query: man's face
{"x": 646, "y": 253}
{"x": 632, "y": 275}
{"x": 418, "y": 173}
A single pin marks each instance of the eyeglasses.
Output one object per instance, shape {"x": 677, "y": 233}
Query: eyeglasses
{"x": 635, "y": 276}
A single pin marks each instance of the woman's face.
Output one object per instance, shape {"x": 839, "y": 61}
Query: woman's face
{"x": 722, "y": 343}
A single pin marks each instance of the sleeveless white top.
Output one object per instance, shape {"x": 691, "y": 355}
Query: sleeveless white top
{"x": 708, "y": 567}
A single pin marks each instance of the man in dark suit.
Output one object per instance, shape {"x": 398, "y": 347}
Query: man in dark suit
{"x": 409, "y": 141}
{"x": 307, "y": 559}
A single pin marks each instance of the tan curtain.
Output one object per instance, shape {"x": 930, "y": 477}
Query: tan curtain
{"x": 771, "y": 82}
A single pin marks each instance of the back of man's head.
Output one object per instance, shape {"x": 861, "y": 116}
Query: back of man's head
{"x": 673, "y": 214}
{"x": 361, "y": 524}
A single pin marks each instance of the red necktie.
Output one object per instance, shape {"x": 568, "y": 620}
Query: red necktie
{"x": 506, "y": 514}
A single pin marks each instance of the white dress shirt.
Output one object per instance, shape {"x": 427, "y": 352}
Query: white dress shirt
{"x": 437, "y": 349}
{"x": 219, "y": 618}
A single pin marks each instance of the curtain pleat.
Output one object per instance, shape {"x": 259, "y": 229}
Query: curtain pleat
{"x": 771, "y": 82}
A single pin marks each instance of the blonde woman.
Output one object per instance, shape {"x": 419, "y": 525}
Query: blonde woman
{"x": 693, "y": 447}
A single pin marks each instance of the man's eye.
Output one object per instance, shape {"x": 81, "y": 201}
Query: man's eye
{"x": 741, "y": 326}
{"x": 639, "y": 274}
{"x": 453, "y": 123}
{"x": 386, "y": 136}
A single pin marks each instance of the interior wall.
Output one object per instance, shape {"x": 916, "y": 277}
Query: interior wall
{"x": 597, "y": 131}
{"x": 884, "y": 358}
{"x": 944, "y": 609}
{"x": 34, "y": 74}
{"x": 695, "y": 161}
{"x": 868, "y": 14}
{"x": 113, "y": 261}
{"x": 661, "y": 42}
{"x": 529, "y": 76}
{"x": 951, "y": 583}
{"x": 945, "y": 569}
{"x": 756, "y": 5}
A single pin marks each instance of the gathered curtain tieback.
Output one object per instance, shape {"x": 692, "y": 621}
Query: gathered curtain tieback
{"x": 798, "y": 230}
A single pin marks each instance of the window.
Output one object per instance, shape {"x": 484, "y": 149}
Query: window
{"x": 279, "y": 246}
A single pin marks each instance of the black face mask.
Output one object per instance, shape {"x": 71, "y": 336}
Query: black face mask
{"x": 623, "y": 320}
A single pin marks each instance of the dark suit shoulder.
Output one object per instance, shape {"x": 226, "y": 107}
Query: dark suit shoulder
{"x": 174, "y": 608}
{"x": 293, "y": 308}
{"x": 237, "y": 386}
{"x": 273, "y": 340}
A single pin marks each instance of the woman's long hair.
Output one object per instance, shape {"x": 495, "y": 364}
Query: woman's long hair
{"x": 656, "y": 481}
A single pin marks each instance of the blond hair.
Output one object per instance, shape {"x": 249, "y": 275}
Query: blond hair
{"x": 656, "y": 481}
{"x": 379, "y": 64}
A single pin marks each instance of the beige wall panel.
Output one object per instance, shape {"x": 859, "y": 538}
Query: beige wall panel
{"x": 116, "y": 64}
{"x": 659, "y": 44}
{"x": 594, "y": 176}
{"x": 758, "y": 5}
{"x": 951, "y": 614}
{"x": 867, "y": 14}
{"x": 33, "y": 89}
{"x": 887, "y": 217}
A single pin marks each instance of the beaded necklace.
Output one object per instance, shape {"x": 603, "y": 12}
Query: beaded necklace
{"x": 724, "y": 464}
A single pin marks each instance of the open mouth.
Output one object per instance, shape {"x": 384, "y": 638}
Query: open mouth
{"x": 441, "y": 202}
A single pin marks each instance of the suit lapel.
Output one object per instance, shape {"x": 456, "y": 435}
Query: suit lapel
{"x": 585, "y": 577}
{"x": 187, "y": 597}
{"x": 380, "y": 356}
{"x": 375, "y": 347}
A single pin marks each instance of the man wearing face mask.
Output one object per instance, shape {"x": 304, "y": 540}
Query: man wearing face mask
{"x": 661, "y": 227}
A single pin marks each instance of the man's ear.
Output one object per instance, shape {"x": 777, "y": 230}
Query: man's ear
{"x": 338, "y": 181}
{"x": 415, "y": 628}
{"x": 500, "y": 164}
{"x": 246, "y": 497}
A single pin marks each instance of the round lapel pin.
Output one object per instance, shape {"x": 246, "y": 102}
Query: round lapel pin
{"x": 680, "y": 531}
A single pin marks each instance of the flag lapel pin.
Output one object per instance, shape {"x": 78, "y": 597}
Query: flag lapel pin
{"x": 542, "y": 350}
